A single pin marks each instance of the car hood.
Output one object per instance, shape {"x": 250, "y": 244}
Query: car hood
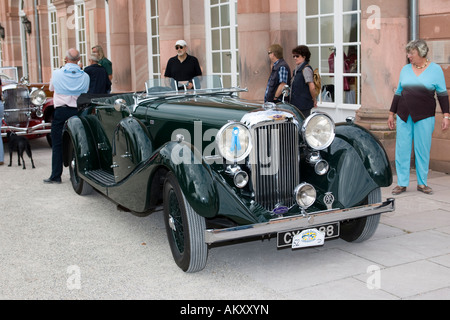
{"x": 215, "y": 111}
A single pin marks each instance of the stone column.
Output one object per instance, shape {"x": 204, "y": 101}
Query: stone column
{"x": 9, "y": 15}
{"x": 171, "y": 29}
{"x": 262, "y": 23}
{"x": 384, "y": 35}
{"x": 120, "y": 56}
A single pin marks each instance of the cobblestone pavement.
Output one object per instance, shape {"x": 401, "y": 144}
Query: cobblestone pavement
{"x": 55, "y": 244}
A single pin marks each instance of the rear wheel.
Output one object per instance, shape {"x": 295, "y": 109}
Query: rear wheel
{"x": 361, "y": 229}
{"x": 185, "y": 228}
{"x": 79, "y": 185}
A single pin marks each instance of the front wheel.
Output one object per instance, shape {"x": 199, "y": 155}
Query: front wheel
{"x": 361, "y": 229}
{"x": 78, "y": 184}
{"x": 185, "y": 228}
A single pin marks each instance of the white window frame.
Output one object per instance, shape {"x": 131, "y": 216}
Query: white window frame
{"x": 80, "y": 30}
{"x": 23, "y": 41}
{"x": 151, "y": 35}
{"x": 234, "y": 50}
{"x": 53, "y": 35}
{"x": 338, "y": 109}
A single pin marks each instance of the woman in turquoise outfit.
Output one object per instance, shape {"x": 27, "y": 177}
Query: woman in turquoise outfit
{"x": 415, "y": 105}
{"x": 2, "y": 153}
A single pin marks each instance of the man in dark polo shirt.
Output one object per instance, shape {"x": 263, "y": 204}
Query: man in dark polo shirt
{"x": 99, "y": 79}
{"x": 183, "y": 67}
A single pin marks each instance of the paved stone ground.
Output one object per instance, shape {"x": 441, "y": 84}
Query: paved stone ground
{"x": 55, "y": 244}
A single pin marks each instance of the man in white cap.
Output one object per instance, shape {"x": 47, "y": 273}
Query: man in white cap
{"x": 183, "y": 67}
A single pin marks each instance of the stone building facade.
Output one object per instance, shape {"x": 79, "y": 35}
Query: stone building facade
{"x": 230, "y": 38}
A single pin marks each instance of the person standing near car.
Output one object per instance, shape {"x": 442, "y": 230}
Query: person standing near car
{"x": 280, "y": 76}
{"x": 303, "y": 90}
{"x": 103, "y": 61}
{"x": 67, "y": 83}
{"x": 183, "y": 67}
{"x": 99, "y": 80}
{"x": 2, "y": 152}
{"x": 414, "y": 103}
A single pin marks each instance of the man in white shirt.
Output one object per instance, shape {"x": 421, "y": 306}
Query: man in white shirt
{"x": 67, "y": 83}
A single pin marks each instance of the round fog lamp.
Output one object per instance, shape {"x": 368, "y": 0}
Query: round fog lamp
{"x": 240, "y": 179}
{"x": 321, "y": 167}
{"x": 305, "y": 195}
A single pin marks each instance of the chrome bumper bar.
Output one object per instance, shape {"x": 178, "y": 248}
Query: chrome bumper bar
{"x": 41, "y": 128}
{"x": 302, "y": 221}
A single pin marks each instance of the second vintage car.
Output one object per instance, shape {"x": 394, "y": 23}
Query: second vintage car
{"x": 225, "y": 168}
{"x": 28, "y": 107}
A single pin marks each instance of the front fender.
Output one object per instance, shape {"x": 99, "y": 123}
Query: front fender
{"x": 194, "y": 176}
{"x": 75, "y": 132}
{"x": 358, "y": 165}
{"x": 369, "y": 149}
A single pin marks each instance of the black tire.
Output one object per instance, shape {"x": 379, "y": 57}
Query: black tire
{"x": 185, "y": 228}
{"x": 78, "y": 184}
{"x": 361, "y": 229}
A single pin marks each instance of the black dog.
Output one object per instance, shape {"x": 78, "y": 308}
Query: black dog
{"x": 19, "y": 144}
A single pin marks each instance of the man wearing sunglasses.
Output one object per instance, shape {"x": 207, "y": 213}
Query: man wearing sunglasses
{"x": 280, "y": 76}
{"x": 183, "y": 67}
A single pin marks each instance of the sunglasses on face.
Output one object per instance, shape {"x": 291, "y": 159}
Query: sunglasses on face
{"x": 295, "y": 56}
{"x": 179, "y": 47}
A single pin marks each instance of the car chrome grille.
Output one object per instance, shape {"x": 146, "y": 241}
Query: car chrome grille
{"x": 275, "y": 164}
{"x": 17, "y": 105}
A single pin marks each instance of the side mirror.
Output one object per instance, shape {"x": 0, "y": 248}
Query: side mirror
{"x": 121, "y": 105}
{"x": 286, "y": 92}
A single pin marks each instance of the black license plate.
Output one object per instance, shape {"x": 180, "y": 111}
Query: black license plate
{"x": 284, "y": 239}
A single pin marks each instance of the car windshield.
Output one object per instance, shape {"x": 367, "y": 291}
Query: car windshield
{"x": 203, "y": 84}
{"x": 168, "y": 87}
{"x": 9, "y": 75}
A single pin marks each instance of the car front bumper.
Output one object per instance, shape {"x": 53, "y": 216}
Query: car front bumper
{"x": 42, "y": 128}
{"x": 297, "y": 222}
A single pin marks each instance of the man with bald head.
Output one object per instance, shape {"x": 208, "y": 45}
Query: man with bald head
{"x": 67, "y": 84}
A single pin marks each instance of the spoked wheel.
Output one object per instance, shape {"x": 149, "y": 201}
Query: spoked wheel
{"x": 79, "y": 185}
{"x": 361, "y": 229}
{"x": 185, "y": 228}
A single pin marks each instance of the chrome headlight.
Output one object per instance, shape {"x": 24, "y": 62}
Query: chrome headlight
{"x": 305, "y": 195}
{"x": 234, "y": 141}
{"x": 38, "y": 97}
{"x": 318, "y": 131}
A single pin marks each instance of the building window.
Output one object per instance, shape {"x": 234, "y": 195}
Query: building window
{"x": 222, "y": 40}
{"x": 153, "y": 39}
{"x": 80, "y": 24}
{"x": 331, "y": 29}
{"x": 53, "y": 34}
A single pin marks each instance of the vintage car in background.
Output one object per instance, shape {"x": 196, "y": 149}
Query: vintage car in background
{"x": 225, "y": 168}
{"x": 28, "y": 107}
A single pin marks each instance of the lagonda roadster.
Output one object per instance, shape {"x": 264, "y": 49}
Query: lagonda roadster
{"x": 224, "y": 168}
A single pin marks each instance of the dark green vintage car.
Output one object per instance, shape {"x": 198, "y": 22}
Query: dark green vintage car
{"x": 225, "y": 168}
